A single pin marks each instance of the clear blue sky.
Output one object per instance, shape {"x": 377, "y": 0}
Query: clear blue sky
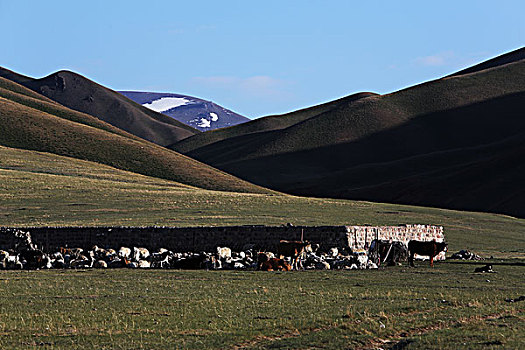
{"x": 257, "y": 58}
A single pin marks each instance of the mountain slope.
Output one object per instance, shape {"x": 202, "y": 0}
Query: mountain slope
{"x": 198, "y": 113}
{"x": 81, "y": 94}
{"x": 36, "y": 124}
{"x": 414, "y": 146}
{"x": 266, "y": 124}
{"x": 513, "y": 56}
{"x": 22, "y": 95}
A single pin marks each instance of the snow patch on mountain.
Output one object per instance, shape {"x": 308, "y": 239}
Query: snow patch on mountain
{"x": 204, "y": 123}
{"x": 167, "y": 103}
{"x": 198, "y": 113}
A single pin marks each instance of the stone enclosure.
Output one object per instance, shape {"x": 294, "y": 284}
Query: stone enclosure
{"x": 195, "y": 239}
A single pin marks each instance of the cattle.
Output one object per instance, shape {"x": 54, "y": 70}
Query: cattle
{"x": 384, "y": 252}
{"x": 430, "y": 249}
{"x": 293, "y": 250}
{"x": 274, "y": 264}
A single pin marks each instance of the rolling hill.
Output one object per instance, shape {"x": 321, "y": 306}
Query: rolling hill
{"x": 81, "y": 94}
{"x": 455, "y": 142}
{"x": 33, "y": 122}
{"x": 198, "y": 113}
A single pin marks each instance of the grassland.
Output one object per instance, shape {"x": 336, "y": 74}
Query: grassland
{"x": 39, "y": 189}
{"x": 445, "y": 307}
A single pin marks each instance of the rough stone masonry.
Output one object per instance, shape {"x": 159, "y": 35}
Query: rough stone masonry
{"x": 195, "y": 239}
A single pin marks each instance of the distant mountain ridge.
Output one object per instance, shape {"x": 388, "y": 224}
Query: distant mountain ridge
{"x": 198, "y": 113}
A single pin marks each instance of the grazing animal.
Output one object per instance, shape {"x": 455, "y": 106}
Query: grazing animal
{"x": 224, "y": 252}
{"x": 387, "y": 253}
{"x": 487, "y": 268}
{"x": 140, "y": 254}
{"x": 34, "y": 259}
{"x": 83, "y": 262}
{"x": 293, "y": 250}
{"x": 190, "y": 262}
{"x": 144, "y": 264}
{"x": 274, "y": 264}
{"x": 430, "y": 249}
{"x": 100, "y": 264}
{"x": 124, "y": 253}
{"x": 71, "y": 251}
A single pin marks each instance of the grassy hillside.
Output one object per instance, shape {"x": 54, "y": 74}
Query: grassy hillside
{"x": 374, "y": 147}
{"x": 81, "y": 94}
{"x": 12, "y": 86}
{"x": 19, "y": 94}
{"x": 39, "y": 189}
{"x": 262, "y": 125}
{"x": 29, "y": 128}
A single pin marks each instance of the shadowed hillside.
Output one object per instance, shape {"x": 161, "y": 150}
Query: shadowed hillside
{"x": 266, "y": 124}
{"x": 509, "y": 57}
{"x": 38, "y": 124}
{"x": 420, "y": 145}
{"x": 19, "y": 94}
{"x": 81, "y": 94}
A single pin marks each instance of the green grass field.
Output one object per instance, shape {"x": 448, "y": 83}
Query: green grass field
{"x": 445, "y": 307}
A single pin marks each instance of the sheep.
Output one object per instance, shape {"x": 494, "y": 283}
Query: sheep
{"x": 13, "y": 263}
{"x": 224, "y": 252}
{"x": 124, "y": 253}
{"x": 100, "y": 264}
{"x": 144, "y": 264}
{"x": 140, "y": 254}
{"x": 83, "y": 261}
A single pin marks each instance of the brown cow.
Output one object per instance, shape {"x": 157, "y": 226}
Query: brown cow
{"x": 430, "y": 249}
{"x": 274, "y": 264}
{"x": 292, "y": 249}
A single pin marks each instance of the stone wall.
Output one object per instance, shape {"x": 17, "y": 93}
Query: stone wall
{"x": 208, "y": 238}
{"x": 360, "y": 237}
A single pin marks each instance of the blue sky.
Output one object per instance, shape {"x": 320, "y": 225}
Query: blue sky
{"x": 257, "y": 58}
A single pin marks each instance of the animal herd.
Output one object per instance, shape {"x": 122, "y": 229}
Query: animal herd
{"x": 288, "y": 255}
